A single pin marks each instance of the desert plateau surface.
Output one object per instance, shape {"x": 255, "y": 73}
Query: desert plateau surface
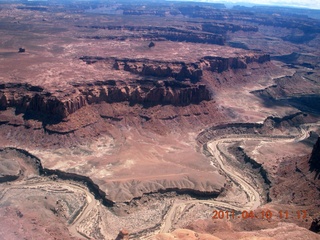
{"x": 159, "y": 120}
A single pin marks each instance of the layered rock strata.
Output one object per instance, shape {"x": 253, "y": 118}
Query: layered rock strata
{"x": 315, "y": 159}
{"x": 176, "y": 83}
{"x": 167, "y": 33}
{"x": 180, "y": 70}
{"x": 26, "y": 100}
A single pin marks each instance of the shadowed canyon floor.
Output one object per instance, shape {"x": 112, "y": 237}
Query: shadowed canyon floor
{"x": 149, "y": 118}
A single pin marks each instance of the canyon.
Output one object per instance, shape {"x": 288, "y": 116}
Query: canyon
{"x": 26, "y": 98}
{"x": 139, "y": 120}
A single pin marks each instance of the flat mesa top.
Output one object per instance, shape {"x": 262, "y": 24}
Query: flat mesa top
{"x": 57, "y": 62}
{"x": 163, "y": 50}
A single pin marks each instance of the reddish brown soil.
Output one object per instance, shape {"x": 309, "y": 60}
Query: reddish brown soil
{"x": 90, "y": 98}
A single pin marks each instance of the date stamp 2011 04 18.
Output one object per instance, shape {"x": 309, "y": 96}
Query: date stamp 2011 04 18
{"x": 299, "y": 214}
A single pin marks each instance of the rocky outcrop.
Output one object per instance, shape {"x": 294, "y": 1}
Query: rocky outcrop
{"x": 221, "y": 64}
{"x": 148, "y": 93}
{"x": 164, "y": 33}
{"x": 194, "y": 37}
{"x": 203, "y": 12}
{"x": 315, "y": 159}
{"x": 269, "y": 124}
{"x": 299, "y": 90}
{"x": 177, "y": 83}
{"x": 32, "y": 99}
{"x": 218, "y": 131}
{"x": 308, "y": 28}
{"x": 93, "y": 187}
{"x": 33, "y": 8}
{"x": 293, "y": 120}
{"x": 315, "y": 225}
{"x": 258, "y": 167}
{"x": 127, "y": 192}
{"x": 10, "y": 170}
{"x": 36, "y": 164}
{"x": 305, "y": 60}
{"x": 123, "y": 235}
{"x": 139, "y": 12}
{"x": 180, "y": 70}
{"x": 13, "y": 161}
{"x": 192, "y": 71}
{"x": 8, "y": 178}
{"x": 223, "y": 28}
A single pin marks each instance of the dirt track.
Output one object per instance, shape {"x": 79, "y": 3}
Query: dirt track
{"x": 253, "y": 200}
{"x": 219, "y": 156}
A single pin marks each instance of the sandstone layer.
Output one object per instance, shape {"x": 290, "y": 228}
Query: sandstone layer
{"x": 132, "y": 119}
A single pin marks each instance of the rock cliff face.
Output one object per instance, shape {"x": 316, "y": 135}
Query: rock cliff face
{"x": 221, "y": 64}
{"x": 270, "y": 124}
{"x": 299, "y": 90}
{"x": 180, "y": 70}
{"x": 176, "y": 83}
{"x": 25, "y": 97}
{"x": 223, "y": 28}
{"x": 315, "y": 158}
{"x": 163, "y": 33}
{"x": 290, "y": 20}
{"x": 149, "y": 93}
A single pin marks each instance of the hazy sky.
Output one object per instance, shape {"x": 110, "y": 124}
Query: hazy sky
{"x": 315, "y": 4}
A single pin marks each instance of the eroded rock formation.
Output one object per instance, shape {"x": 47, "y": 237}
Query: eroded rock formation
{"x": 177, "y": 70}
{"x": 164, "y": 33}
{"x": 177, "y": 83}
{"x": 180, "y": 70}
{"x": 315, "y": 158}
{"x": 25, "y": 100}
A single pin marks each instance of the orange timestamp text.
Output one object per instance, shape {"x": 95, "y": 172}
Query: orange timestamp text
{"x": 268, "y": 215}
